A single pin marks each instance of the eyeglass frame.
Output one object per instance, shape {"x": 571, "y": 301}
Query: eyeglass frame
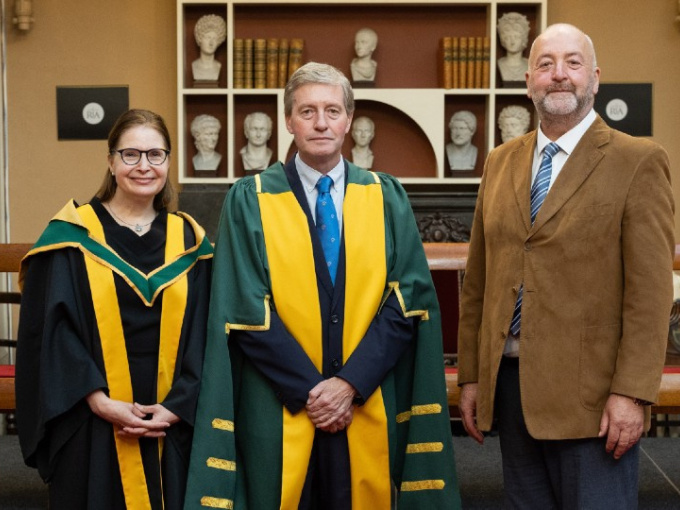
{"x": 141, "y": 153}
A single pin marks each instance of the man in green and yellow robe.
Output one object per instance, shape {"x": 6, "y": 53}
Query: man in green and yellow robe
{"x": 285, "y": 327}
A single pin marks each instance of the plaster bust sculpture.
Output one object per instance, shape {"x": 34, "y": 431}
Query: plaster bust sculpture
{"x": 513, "y": 121}
{"x": 210, "y": 32}
{"x": 363, "y": 131}
{"x": 363, "y": 67}
{"x": 206, "y": 129}
{"x": 460, "y": 152}
{"x": 257, "y": 128}
{"x": 513, "y": 33}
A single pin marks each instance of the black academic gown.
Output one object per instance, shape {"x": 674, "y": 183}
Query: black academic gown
{"x": 59, "y": 362}
{"x": 292, "y": 374}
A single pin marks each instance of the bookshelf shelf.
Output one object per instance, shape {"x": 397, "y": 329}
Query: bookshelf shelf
{"x": 408, "y": 103}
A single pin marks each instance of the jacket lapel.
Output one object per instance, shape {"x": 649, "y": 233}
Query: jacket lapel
{"x": 520, "y": 171}
{"x": 581, "y": 163}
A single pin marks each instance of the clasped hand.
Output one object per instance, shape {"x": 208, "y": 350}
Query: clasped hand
{"x": 329, "y": 405}
{"x": 133, "y": 420}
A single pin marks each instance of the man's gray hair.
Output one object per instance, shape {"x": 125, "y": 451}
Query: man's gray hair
{"x": 325, "y": 74}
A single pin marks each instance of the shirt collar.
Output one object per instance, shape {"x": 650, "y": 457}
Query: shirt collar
{"x": 310, "y": 177}
{"x": 570, "y": 139}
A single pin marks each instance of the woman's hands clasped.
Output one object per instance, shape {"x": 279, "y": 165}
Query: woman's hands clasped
{"x": 132, "y": 420}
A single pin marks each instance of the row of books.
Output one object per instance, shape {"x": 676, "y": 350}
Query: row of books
{"x": 265, "y": 63}
{"x": 465, "y": 62}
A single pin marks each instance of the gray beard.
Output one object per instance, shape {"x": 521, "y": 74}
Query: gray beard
{"x": 561, "y": 106}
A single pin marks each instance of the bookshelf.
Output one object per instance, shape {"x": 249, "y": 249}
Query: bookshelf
{"x": 408, "y": 102}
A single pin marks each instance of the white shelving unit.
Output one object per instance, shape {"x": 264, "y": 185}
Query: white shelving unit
{"x": 420, "y": 106}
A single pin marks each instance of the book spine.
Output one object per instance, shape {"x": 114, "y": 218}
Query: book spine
{"x": 248, "y": 64}
{"x": 272, "y": 63}
{"x": 283, "y": 63}
{"x": 471, "y": 63}
{"x": 447, "y": 59}
{"x": 479, "y": 49}
{"x": 462, "y": 67}
{"x": 238, "y": 63}
{"x": 455, "y": 62}
{"x": 486, "y": 63}
{"x": 260, "y": 64}
{"x": 295, "y": 55}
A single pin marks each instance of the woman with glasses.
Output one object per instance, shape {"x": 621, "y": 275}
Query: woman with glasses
{"x": 111, "y": 335}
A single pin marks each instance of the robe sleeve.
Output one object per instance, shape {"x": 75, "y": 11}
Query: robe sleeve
{"x": 419, "y": 374}
{"x": 55, "y": 367}
{"x": 386, "y": 339}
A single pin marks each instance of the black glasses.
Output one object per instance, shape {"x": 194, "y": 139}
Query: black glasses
{"x": 133, "y": 156}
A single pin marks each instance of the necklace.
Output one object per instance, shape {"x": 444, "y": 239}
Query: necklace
{"x": 136, "y": 226}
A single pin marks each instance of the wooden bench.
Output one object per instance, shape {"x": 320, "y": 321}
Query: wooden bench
{"x": 453, "y": 256}
{"x": 10, "y": 259}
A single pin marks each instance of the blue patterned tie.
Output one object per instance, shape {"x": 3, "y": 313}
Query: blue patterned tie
{"x": 538, "y": 192}
{"x": 327, "y": 224}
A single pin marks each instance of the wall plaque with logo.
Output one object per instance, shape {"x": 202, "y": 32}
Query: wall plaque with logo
{"x": 626, "y": 107}
{"x": 88, "y": 113}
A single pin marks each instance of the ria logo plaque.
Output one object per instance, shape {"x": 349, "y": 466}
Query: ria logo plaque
{"x": 626, "y": 107}
{"x": 88, "y": 113}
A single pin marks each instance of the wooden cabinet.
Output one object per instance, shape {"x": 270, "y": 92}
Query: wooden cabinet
{"x": 408, "y": 103}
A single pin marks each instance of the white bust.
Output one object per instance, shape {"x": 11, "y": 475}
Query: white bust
{"x": 206, "y": 129}
{"x": 257, "y": 128}
{"x": 363, "y": 131}
{"x": 513, "y": 121}
{"x": 460, "y": 152}
{"x": 210, "y": 32}
{"x": 363, "y": 66}
{"x": 513, "y": 33}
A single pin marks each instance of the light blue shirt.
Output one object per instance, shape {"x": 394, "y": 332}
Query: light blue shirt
{"x": 310, "y": 177}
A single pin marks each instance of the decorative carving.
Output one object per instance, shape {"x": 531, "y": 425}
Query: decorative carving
{"x": 442, "y": 228}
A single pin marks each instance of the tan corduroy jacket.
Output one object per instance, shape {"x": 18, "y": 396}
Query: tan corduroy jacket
{"x": 597, "y": 273}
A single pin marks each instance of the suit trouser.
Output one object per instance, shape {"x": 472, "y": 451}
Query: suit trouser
{"x": 551, "y": 474}
{"x": 328, "y": 483}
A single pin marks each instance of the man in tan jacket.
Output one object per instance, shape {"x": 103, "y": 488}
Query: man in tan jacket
{"x": 567, "y": 292}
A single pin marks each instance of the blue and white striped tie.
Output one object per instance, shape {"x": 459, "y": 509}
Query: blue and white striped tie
{"x": 538, "y": 192}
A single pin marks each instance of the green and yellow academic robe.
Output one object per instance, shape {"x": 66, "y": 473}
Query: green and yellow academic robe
{"x": 104, "y": 308}
{"x": 250, "y": 451}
